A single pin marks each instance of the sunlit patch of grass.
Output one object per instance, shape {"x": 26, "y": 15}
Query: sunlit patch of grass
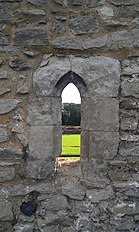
{"x": 70, "y": 145}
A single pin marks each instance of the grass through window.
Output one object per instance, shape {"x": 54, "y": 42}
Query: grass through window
{"x": 70, "y": 145}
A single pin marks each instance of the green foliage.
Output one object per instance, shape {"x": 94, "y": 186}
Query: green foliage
{"x": 71, "y": 115}
{"x": 71, "y": 145}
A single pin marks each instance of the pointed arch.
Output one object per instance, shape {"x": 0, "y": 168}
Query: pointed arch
{"x": 71, "y": 77}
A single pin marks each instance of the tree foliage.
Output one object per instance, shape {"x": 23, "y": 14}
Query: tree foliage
{"x": 71, "y": 115}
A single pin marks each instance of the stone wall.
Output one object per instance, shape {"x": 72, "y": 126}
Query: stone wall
{"x": 44, "y": 45}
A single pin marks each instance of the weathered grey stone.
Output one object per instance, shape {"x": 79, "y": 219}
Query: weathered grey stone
{"x": 50, "y": 218}
{"x": 129, "y": 124}
{"x": 122, "y": 2}
{"x": 37, "y": 2}
{"x": 23, "y": 139}
{"x": 10, "y": 0}
{"x": 30, "y": 37}
{"x": 6, "y": 172}
{"x": 18, "y": 65}
{"x": 122, "y": 39}
{"x": 128, "y": 208}
{"x": 103, "y": 145}
{"x": 129, "y": 137}
{"x": 115, "y": 23}
{"x": 135, "y": 21}
{"x": 3, "y": 136}
{"x": 4, "y": 41}
{"x": 83, "y": 25}
{"x": 29, "y": 53}
{"x": 129, "y": 105}
{"x": 3, "y": 74}
{"x": 135, "y": 35}
{"x": 52, "y": 72}
{"x": 44, "y": 111}
{"x": 95, "y": 43}
{"x": 6, "y": 105}
{"x": 60, "y": 2}
{"x": 40, "y": 169}
{"x": 66, "y": 43}
{"x": 41, "y": 141}
{"x": 91, "y": 183}
{"x": 133, "y": 150}
{"x": 23, "y": 89}
{"x": 8, "y": 154}
{"x": 4, "y": 90}
{"x": 130, "y": 70}
{"x": 19, "y": 227}
{"x": 56, "y": 203}
{"x": 106, "y": 12}
{"x": 74, "y": 191}
{"x": 105, "y": 115}
{"x": 94, "y": 3}
{"x": 101, "y": 74}
{"x": 76, "y": 2}
{"x": 6, "y": 211}
{"x": 98, "y": 195}
{"x": 130, "y": 87}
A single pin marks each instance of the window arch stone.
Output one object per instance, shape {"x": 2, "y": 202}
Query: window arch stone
{"x": 97, "y": 79}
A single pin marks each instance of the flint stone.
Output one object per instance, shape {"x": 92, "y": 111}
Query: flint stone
{"x": 100, "y": 195}
{"x": 83, "y": 25}
{"x": 46, "y": 77}
{"x": 3, "y": 136}
{"x": 101, "y": 74}
{"x": 30, "y": 37}
{"x": 106, "y": 12}
{"x": 122, "y": 2}
{"x": 4, "y": 90}
{"x": 130, "y": 87}
{"x": 3, "y": 74}
{"x": 73, "y": 191}
{"x": 6, "y": 105}
{"x": 105, "y": 116}
{"x": 123, "y": 39}
{"x": 6, "y": 173}
{"x": 6, "y": 211}
{"x": 40, "y": 169}
{"x": 66, "y": 43}
{"x": 95, "y": 43}
{"x": 104, "y": 145}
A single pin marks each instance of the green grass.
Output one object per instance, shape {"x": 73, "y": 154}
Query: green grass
{"x": 71, "y": 145}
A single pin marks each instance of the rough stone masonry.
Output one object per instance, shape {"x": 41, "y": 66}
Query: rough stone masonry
{"x": 44, "y": 45}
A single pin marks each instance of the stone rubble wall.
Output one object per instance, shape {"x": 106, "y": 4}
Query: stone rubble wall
{"x": 40, "y": 42}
